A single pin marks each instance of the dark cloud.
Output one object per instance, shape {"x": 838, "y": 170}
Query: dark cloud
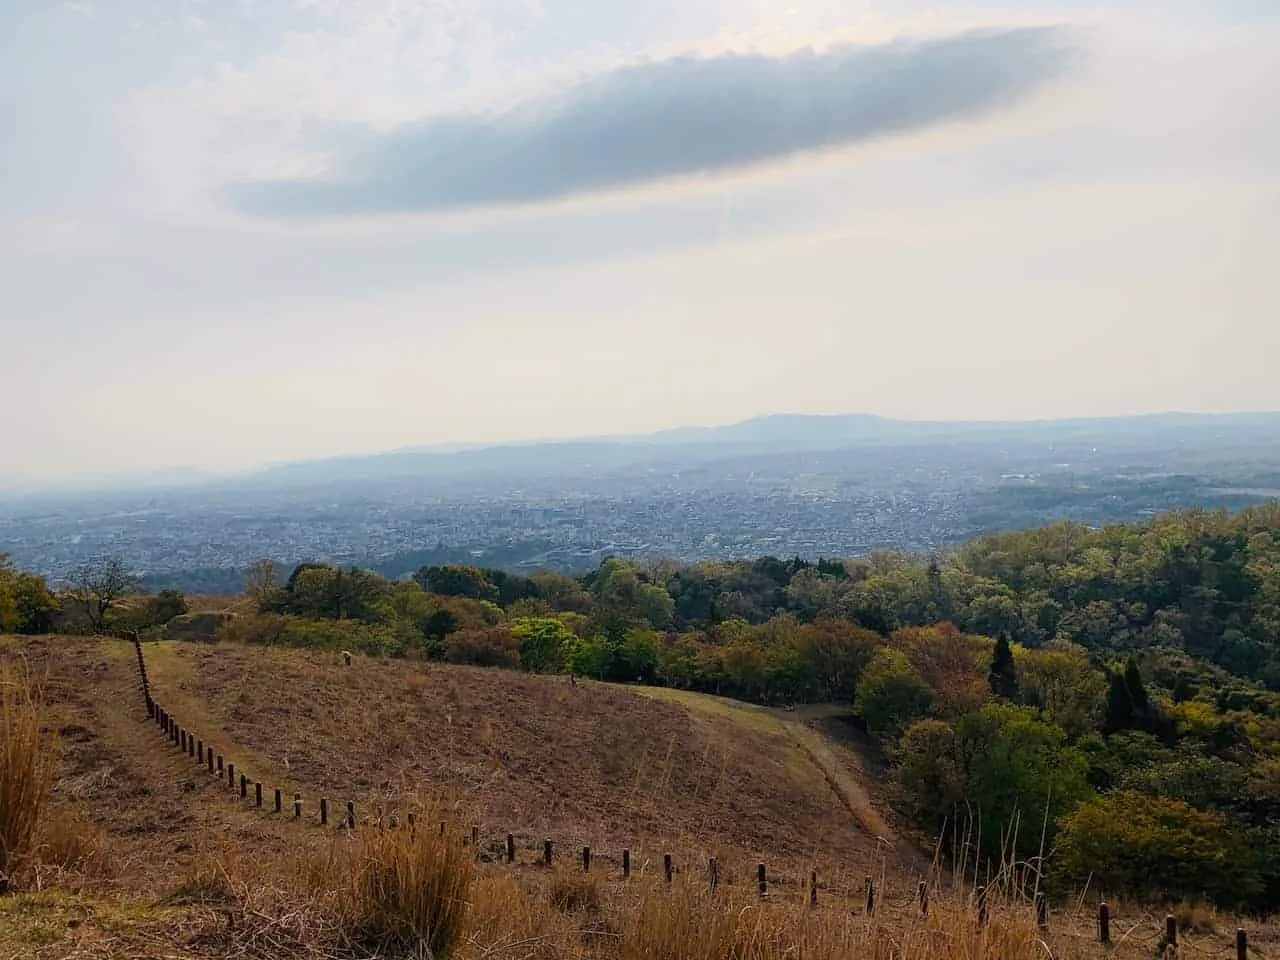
{"x": 670, "y": 118}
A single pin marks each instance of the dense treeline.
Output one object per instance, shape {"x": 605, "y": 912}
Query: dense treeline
{"x": 1110, "y": 697}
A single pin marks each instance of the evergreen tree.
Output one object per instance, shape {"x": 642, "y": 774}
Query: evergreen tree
{"x": 1119, "y": 705}
{"x": 1003, "y": 677}
{"x": 1133, "y": 683}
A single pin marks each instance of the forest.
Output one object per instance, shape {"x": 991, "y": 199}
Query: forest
{"x": 1102, "y": 702}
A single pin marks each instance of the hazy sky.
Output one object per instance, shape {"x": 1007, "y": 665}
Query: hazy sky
{"x": 238, "y": 231}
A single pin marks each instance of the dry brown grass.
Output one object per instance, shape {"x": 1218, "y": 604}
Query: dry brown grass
{"x": 26, "y": 771}
{"x": 196, "y": 873}
{"x": 406, "y": 892}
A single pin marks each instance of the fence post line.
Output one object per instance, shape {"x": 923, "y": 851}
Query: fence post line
{"x": 324, "y": 811}
{"x": 1242, "y": 944}
{"x": 667, "y": 869}
{"x": 626, "y": 864}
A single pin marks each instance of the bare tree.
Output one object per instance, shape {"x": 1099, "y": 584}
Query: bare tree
{"x": 261, "y": 582}
{"x": 97, "y": 586}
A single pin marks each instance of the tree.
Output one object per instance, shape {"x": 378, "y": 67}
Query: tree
{"x": 1003, "y": 678}
{"x": 262, "y": 583}
{"x": 891, "y": 694}
{"x": 541, "y": 641}
{"x": 457, "y": 580}
{"x": 1154, "y": 848}
{"x": 97, "y": 586}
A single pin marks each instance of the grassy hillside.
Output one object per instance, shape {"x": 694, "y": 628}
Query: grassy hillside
{"x": 147, "y": 855}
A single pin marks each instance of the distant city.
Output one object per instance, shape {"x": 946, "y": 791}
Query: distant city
{"x": 807, "y": 486}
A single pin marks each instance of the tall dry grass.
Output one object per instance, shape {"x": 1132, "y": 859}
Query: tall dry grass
{"x": 26, "y": 771}
{"x": 407, "y": 892}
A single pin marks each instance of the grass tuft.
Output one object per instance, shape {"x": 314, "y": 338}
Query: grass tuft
{"x": 409, "y": 892}
{"x": 26, "y": 771}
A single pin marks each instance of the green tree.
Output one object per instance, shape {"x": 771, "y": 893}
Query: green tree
{"x": 542, "y": 642}
{"x": 1154, "y": 848}
{"x": 1002, "y": 678}
{"x": 891, "y": 694}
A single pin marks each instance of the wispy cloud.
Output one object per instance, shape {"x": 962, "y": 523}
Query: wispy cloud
{"x": 675, "y": 117}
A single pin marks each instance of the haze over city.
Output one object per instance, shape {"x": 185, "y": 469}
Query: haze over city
{"x": 243, "y": 233}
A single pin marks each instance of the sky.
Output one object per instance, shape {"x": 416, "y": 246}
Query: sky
{"x": 236, "y": 232}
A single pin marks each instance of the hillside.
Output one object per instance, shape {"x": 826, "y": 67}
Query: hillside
{"x": 153, "y": 857}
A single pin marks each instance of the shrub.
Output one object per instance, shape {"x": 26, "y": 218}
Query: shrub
{"x": 1155, "y": 848}
{"x": 409, "y": 890}
{"x": 25, "y": 773}
{"x": 492, "y": 647}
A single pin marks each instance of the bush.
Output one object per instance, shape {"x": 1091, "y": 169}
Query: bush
{"x": 25, "y": 772}
{"x": 1155, "y": 848}
{"x": 493, "y": 647}
{"x": 409, "y": 890}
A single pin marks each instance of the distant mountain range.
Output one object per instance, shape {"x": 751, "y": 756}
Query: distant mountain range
{"x": 782, "y": 434}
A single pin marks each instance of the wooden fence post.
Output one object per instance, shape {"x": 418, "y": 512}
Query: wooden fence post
{"x": 324, "y": 811}
{"x": 200, "y": 752}
{"x": 511, "y": 848}
{"x": 351, "y": 814}
{"x": 546, "y": 852}
{"x": 244, "y": 786}
{"x": 1170, "y": 932}
{"x": 413, "y": 822}
{"x": 297, "y": 806}
{"x": 443, "y": 826}
{"x": 1242, "y": 944}
{"x": 871, "y": 896}
{"x": 208, "y": 756}
{"x": 475, "y": 836}
{"x": 278, "y": 799}
{"x": 219, "y": 765}
{"x": 762, "y": 880}
{"x": 626, "y": 864}
{"x": 586, "y": 859}
{"x": 1104, "y": 923}
{"x": 1042, "y": 909}
{"x": 191, "y": 745}
{"x": 257, "y": 793}
{"x": 182, "y": 739}
{"x": 923, "y": 892}
{"x": 813, "y": 888}
{"x": 667, "y": 868}
{"x": 713, "y": 874}
{"x": 231, "y": 775}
